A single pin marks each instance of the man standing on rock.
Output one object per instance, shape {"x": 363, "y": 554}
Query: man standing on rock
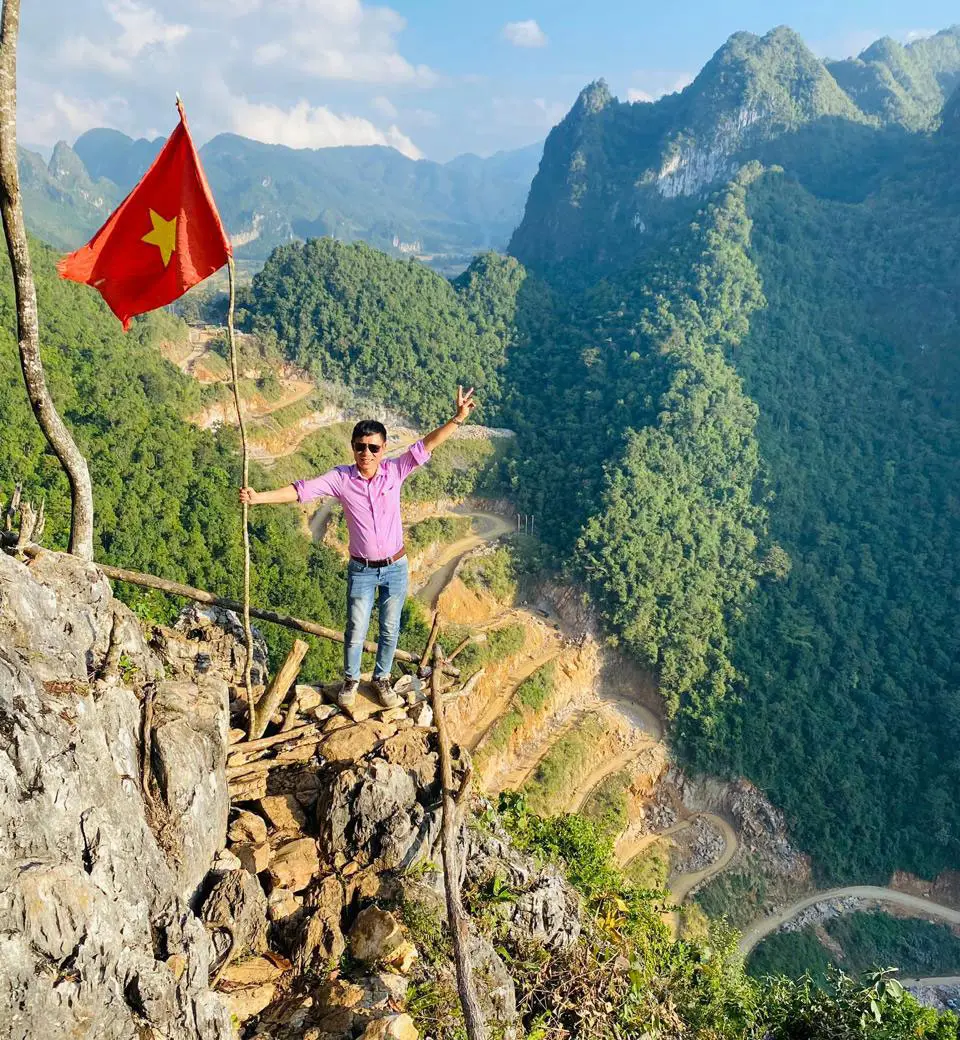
{"x": 369, "y": 492}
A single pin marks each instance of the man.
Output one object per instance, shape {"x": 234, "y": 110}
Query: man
{"x": 369, "y": 492}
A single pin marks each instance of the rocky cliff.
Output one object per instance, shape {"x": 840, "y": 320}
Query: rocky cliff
{"x": 97, "y": 868}
{"x": 138, "y": 903}
{"x": 614, "y": 173}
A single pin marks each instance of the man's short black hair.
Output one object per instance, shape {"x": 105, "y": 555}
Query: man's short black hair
{"x": 367, "y": 426}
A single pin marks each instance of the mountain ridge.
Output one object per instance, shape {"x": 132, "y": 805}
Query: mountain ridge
{"x": 272, "y": 194}
{"x": 614, "y": 173}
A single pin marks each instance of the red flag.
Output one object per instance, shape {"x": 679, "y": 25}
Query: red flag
{"x": 164, "y": 237}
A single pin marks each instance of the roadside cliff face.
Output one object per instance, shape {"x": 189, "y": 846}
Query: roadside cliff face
{"x": 97, "y": 938}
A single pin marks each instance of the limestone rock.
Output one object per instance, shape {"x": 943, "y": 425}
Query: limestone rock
{"x": 237, "y": 902}
{"x": 545, "y": 910}
{"x": 320, "y": 942}
{"x": 255, "y": 858}
{"x": 225, "y": 862}
{"x": 294, "y": 864}
{"x": 97, "y": 940}
{"x": 247, "y": 828}
{"x": 282, "y": 904}
{"x": 371, "y": 814}
{"x": 249, "y": 986}
{"x": 392, "y": 1027}
{"x": 375, "y": 935}
{"x": 307, "y": 697}
{"x": 412, "y": 751}
{"x": 322, "y": 712}
{"x": 284, "y": 811}
{"x": 422, "y": 715}
{"x": 353, "y": 742}
{"x": 189, "y": 754}
{"x": 219, "y": 645}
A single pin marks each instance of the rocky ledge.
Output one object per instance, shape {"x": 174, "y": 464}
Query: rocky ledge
{"x": 153, "y": 886}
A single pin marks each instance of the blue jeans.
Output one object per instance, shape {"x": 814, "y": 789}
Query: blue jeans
{"x": 362, "y": 585}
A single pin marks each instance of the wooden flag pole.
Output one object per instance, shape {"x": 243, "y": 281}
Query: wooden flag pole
{"x": 247, "y": 630}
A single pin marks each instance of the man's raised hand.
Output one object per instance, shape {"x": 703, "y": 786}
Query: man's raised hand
{"x": 465, "y": 403}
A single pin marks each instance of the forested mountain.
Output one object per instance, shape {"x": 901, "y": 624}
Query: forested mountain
{"x": 902, "y": 84}
{"x": 393, "y": 329}
{"x": 616, "y": 174}
{"x": 749, "y": 396}
{"x": 270, "y": 194}
{"x": 64, "y": 204}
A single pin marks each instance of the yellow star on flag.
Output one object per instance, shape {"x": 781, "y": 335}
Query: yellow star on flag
{"x": 163, "y": 235}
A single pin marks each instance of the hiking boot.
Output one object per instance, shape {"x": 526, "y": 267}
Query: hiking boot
{"x": 347, "y": 697}
{"x": 385, "y": 694}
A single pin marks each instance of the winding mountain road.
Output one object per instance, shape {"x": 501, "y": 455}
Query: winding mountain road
{"x": 487, "y": 527}
{"x": 767, "y": 925}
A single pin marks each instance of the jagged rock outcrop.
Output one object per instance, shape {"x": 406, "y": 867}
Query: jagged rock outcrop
{"x": 96, "y": 936}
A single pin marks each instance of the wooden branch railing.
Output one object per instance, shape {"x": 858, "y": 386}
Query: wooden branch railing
{"x": 175, "y": 588}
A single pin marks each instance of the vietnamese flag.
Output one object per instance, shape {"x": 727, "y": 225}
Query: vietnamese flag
{"x": 164, "y": 237}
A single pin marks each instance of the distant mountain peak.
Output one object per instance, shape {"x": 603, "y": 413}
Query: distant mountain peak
{"x": 594, "y": 98}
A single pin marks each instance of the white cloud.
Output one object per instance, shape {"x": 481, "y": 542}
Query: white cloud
{"x": 140, "y": 27}
{"x": 524, "y": 34}
{"x": 659, "y": 89}
{"x": 384, "y": 106}
{"x": 66, "y": 117}
{"x": 912, "y": 35}
{"x": 307, "y": 126}
{"x": 143, "y": 27}
{"x": 341, "y": 40}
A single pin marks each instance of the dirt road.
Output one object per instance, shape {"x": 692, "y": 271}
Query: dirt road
{"x": 767, "y": 925}
{"x": 486, "y": 527}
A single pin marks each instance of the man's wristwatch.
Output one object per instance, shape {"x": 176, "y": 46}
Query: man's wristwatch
{"x": 459, "y": 422}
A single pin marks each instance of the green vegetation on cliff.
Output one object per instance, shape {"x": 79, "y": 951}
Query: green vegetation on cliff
{"x": 390, "y": 328}
{"x": 753, "y": 435}
{"x": 859, "y": 942}
{"x": 626, "y": 978}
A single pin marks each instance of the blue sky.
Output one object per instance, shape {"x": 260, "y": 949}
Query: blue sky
{"x": 433, "y": 78}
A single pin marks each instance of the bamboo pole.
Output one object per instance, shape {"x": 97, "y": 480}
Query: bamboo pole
{"x": 278, "y": 688}
{"x": 244, "y": 508}
{"x": 28, "y": 324}
{"x": 472, "y": 1013}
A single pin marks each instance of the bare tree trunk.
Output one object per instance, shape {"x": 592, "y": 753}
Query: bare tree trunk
{"x": 459, "y": 932}
{"x": 28, "y": 329}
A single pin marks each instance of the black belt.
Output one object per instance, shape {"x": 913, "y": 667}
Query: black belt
{"x": 380, "y": 563}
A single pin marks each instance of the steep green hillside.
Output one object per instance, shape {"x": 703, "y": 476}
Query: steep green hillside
{"x": 746, "y": 431}
{"x": 852, "y": 663}
{"x": 390, "y": 328}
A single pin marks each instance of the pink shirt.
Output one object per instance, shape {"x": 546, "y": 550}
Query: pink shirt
{"x": 371, "y": 507}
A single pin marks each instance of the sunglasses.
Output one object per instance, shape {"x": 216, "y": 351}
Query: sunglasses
{"x": 361, "y": 446}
